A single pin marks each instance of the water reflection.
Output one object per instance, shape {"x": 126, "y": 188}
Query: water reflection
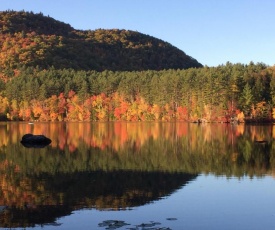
{"x": 27, "y": 201}
{"x": 221, "y": 149}
{"x": 118, "y": 166}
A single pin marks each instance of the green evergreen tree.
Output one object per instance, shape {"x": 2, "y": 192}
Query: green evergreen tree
{"x": 246, "y": 99}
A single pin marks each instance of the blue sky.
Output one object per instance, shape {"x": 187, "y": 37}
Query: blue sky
{"x": 211, "y": 31}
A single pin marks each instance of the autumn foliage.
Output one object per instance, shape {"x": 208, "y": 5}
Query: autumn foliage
{"x": 51, "y": 72}
{"x": 95, "y": 108}
{"x": 37, "y": 40}
{"x": 192, "y": 95}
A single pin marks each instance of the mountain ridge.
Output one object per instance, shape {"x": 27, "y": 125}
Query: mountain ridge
{"x": 31, "y": 39}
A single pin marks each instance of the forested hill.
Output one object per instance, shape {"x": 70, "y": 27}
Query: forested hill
{"x": 29, "y": 39}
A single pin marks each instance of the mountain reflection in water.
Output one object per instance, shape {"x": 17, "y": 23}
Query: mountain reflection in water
{"x": 46, "y": 197}
{"x": 118, "y": 166}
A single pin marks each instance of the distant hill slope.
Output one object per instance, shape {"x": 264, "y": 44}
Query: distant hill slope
{"x": 36, "y": 40}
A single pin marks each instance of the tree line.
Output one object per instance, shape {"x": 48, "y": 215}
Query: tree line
{"x": 243, "y": 92}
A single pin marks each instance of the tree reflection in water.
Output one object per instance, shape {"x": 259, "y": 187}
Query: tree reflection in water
{"x": 118, "y": 166}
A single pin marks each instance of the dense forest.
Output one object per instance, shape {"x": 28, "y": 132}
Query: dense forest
{"x": 51, "y": 72}
{"x": 242, "y": 92}
{"x": 33, "y": 39}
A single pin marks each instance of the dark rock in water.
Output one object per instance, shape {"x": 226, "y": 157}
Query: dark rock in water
{"x": 35, "y": 141}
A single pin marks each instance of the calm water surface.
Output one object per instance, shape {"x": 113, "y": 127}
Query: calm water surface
{"x": 138, "y": 176}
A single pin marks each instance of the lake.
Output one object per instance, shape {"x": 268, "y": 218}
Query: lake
{"x": 142, "y": 175}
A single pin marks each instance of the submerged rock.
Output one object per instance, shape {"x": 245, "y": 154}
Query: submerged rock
{"x": 35, "y": 141}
